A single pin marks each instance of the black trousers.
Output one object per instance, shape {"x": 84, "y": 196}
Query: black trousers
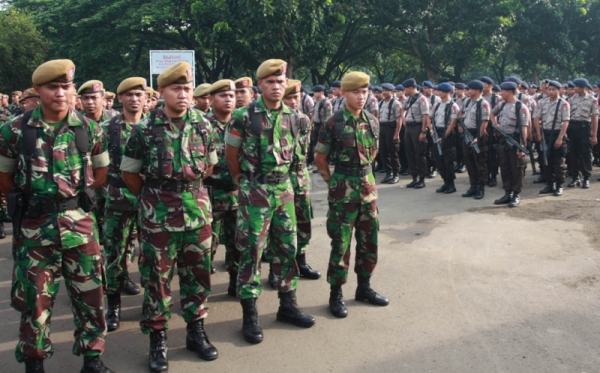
{"x": 445, "y": 162}
{"x": 580, "y": 148}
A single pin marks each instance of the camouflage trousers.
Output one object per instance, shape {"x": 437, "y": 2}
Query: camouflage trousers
{"x": 100, "y": 212}
{"x": 160, "y": 252}
{"x": 223, "y": 229}
{"x": 35, "y": 284}
{"x": 117, "y": 228}
{"x": 2, "y": 208}
{"x": 256, "y": 227}
{"x": 341, "y": 219}
{"x": 304, "y": 215}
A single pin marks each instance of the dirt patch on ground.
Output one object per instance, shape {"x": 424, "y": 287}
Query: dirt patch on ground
{"x": 410, "y": 232}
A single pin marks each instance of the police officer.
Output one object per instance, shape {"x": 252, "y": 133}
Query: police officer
{"x": 390, "y": 120}
{"x": 372, "y": 105}
{"x": 58, "y": 216}
{"x": 552, "y": 117}
{"x": 260, "y": 144}
{"x": 493, "y": 163}
{"x": 402, "y": 148}
{"x": 416, "y": 117}
{"x": 308, "y": 104}
{"x": 444, "y": 115}
{"x": 428, "y": 90}
{"x": 243, "y": 92}
{"x": 512, "y": 117}
{"x": 173, "y": 150}
{"x": 339, "y": 102}
{"x": 321, "y": 111}
{"x": 476, "y": 115}
{"x": 349, "y": 139}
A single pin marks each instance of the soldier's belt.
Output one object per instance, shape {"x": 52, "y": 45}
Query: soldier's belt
{"x": 353, "y": 171}
{"x": 116, "y": 182}
{"x": 579, "y": 122}
{"x": 297, "y": 167}
{"x": 413, "y": 124}
{"x": 175, "y": 186}
{"x": 272, "y": 179}
{"x": 38, "y": 207}
{"x": 224, "y": 185}
{"x": 388, "y": 124}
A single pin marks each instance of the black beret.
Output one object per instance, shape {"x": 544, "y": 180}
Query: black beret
{"x": 525, "y": 85}
{"x": 475, "y": 84}
{"x": 318, "y": 88}
{"x": 427, "y": 83}
{"x": 329, "y": 92}
{"x": 399, "y": 87}
{"x": 460, "y": 86}
{"x": 259, "y": 91}
{"x": 513, "y": 79}
{"x": 496, "y": 88}
{"x": 582, "y": 83}
{"x": 336, "y": 84}
{"x": 534, "y": 86}
{"x": 377, "y": 89}
{"x": 509, "y": 86}
{"x": 371, "y": 86}
{"x": 570, "y": 84}
{"x": 488, "y": 80}
{"x": 445, "y": 87}
{"x": 554, "y": 83}
{"x": 388, "y": 87}
{"x": 409, "y": 83}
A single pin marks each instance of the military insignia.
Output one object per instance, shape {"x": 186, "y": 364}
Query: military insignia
{"x": 189, "y": 74}
{"x": 232, "y": 86}
{"x": 71, "y": 73}
{"x": 245, "y": 83}
{"x": 283, "y": 68}
{"x": 96, "y": 87}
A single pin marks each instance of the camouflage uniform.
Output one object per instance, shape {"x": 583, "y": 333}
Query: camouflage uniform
{"x": 266, "y": 210}
{"x": 352, "y": 199}
{"x": 174, "y": 223}
{"x": 120, "y": 212}
{"x": 56, "y": 243}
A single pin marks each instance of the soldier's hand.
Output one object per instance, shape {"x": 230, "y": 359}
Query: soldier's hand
{"x": 594, "y": 140}
{"x": 422, "y": 137}
{"x": 396, "y": 137}
{"x": 558, "y": 143}
{"x": 520, "y": 154}
{"x": 439, "y": 140}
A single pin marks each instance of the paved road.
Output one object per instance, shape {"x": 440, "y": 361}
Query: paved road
{"x": 473, "y": 288}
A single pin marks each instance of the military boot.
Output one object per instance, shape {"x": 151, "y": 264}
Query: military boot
{"x": 93, "y": 364}
{"x": 395, "y": 178}
{"x": 442, "y": 189}
{"x": 558, "y": 191}
{"x": 515, "y": 200}
{"x": 364, "y": 293}
{"x": 34, "y": 366}
{"x": 197, "y": 340}
{"x": 113, "y": 315}
{"x": 586, "y": 182}
{"x": 504, "y": 199}
{"x": 549, "y": 189}
{"x": 337, "y": 306}
{"x": 575, "y": 182}
{"x": 2, "y": 231}
{"x": 305, "y": 270}
{"x": 253, "y": 333}
{"x": 493, "y": 181}
{"x": 471, "y": 192}
{"x": 290, "y": 312}
{"x": 272, "y": 279}
{"x": 158, "y": 351}
{"x": 388, "y": 177}
{"x": 451, "y": 188}
{"x": 420, "y": 184}
{"x": 480, "y": 192}
{"x": 130, "y": 287}
{"x": 232, "y": 287}
{"x": 412, "y": 183}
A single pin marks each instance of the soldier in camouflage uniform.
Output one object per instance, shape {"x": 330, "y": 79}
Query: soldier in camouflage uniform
{"x": 350, "y": 140}
{"x": 5, "y": 113}
{"x": 243, "y": 92}
{"x": 109, "y": 100}
{"x": 54, "y": 227}
{"x": 174, "y": 150}
{"x": 121, "y": 204}
{"x": 224, "y": 189}
{"x": 261, "y": 143}
{"x": 14, "y": 107}
{"x": 202, "y": 98}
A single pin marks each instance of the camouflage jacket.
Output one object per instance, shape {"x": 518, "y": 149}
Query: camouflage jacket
{"x": 354, "y": 150}
{"x": 112, "y": 113}
{"x": 277, "y": 148}
{"x": 187, "y": 155}
{"x": 117, "y": 198}
{"x": 56, "y": 174}
{"x": 222, "y": 200}
{"x": 298, "y": 172}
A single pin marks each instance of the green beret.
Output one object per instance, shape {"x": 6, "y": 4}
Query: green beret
{"x": 202, "y": 90}
{"x": 180, "y": 73}
{"x": 62, "y": 71}
{"x": 294, "y": 86}
{"x": 244, "y": 82}
{"x": 271, "y": 67}
{"x": 355, "y": 80}
{"x": 131, "y": 83}
{"x": 222, "y": 85}
{"x": 91, "y": 86}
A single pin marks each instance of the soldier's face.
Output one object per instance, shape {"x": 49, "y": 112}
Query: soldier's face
{"x": 273, "y": 87}
{"x": 223, "y": 102}
{"x": 337, "y": 92}
{"x": 552, "y": 92}
{"x": 410, "y": 91}
{"x": 460, "y": 92}
{"x": 15, "y": 98}
{"x": 243, "y": 96}
{"x": 387, "y": 94}
{"x": 356, "y": 99}
{"x": 4, "y": 100}
{"x": 78, "y": 104}
{"x": 133, "y": 100}
{"x": 531, "y": 91}
{"x": 507, "y": 95}
{"x": 292, "y": 100}
{"x": 318, "y": 95}
{"x": 400, "y": 94}
{"x": 92, "y": 102}
{"x": 109, "y": 103}
{"x": 153, "y": 101}
{"x": 427, "y": 91}
{"x": 578, "y": 90}
{"x": 177, "y": 96}
{"x": 572, "y": 91}
{"x": 203, "y": 102}
{"x": 55, "y": 96}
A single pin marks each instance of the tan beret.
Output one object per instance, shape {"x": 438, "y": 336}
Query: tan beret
{"x": 91, "y": 86}
{"x": 131, "y": 83}
{"x": 294, "y": 86}
{"x": 28, "y": 93}
{"x": 202, "y": 90}
{"x": 109, "y": 95}
{"x": 244, "y": 82}
{"x": 355, "y": 80}
{"x": 156, "y": 94}
{"x": 222, "y": 85}
{"x": 62, "y": 71}
{"x": 16, "y": 93}
{"x": 271, "y": 67}
{"x": 149, "y": 91}
{"x": 180, "y": 73}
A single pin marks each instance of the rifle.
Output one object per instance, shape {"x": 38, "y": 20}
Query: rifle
{"x": 435, "y": 140}
{"x": 544, "y": 149}
{"x": 469, "y": 140}
{"x": 531, "y": 158}
{"x": 510, "y": 141}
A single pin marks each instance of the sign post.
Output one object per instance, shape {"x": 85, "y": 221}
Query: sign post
{"x": 160, "y": 60}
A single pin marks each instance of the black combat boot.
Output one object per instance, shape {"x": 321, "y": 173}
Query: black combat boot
{"x": 515, "y": 200}
{"x": 2, "y": 231}
{"x": 113, "y": 314}
{"x": 504, "y": 199}
{"x": 412, "y": 183}
{"x": 420, "y": 184}
{"x": 232, "y": 287}
{"x": 586, "y": 182}
{"x": 471, "y": 192}
{"x": 575, "y": 182}
{"x": 395, "y": 178}
{"x": 34, "y": 366}
{"x": 305, "y": 270}
{"x": 480, "y": 192}
{"x": 272, "y": 279}
{"x": 548, "y": 189}
{"x": 158, "y": 351}
{"x": 558, "y": 191}
{"x": 388, "y": 177}
{"x": 337, "y": 306}
{"x": 451, "y": 188}
{"x": 364, "y": 293}
{"x": 130, "y": 287}
{"x": 493, "y": 181}
{"x": 251, "y": 328}
{"x": 290, "y": 312}
{"x": 197, "y": 340}
{"x": 443, "y": 188}
{"x": 93, "y": 364}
